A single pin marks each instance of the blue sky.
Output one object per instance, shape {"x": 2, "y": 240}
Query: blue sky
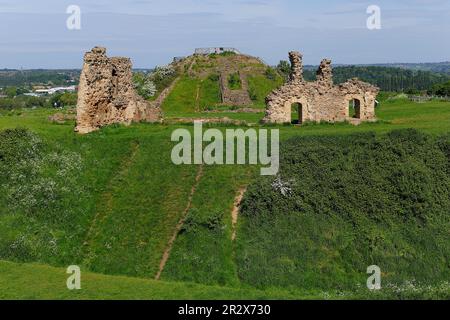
{"x": 33, "y": 34}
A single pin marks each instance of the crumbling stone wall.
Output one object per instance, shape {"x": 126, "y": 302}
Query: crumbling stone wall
{"x": 106, "y": 94}
{"x": 296, "y": 66}
{"x": 320, "y": 100}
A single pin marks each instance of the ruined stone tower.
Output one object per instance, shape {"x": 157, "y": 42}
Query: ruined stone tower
{"x": 106, "y": 94}
{"x": 296, "y": 59}
{"x": 324, "y": 75}
{"x": 320, "y": 100}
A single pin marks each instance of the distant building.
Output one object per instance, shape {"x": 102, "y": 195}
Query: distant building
{"x": 217, "y": 50}
{"x": 51, "y": 91}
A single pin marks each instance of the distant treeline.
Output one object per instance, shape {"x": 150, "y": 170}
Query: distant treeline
{"x": 26, "y": 78}
{"x": 55, "y": 100}
{"x": 439, "y": 67}
{"x": 387, "y": 78}
{"x": 37, "y": 77}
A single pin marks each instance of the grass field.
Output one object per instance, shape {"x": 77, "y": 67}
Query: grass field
{"x": 115, "y": 211}
{"x": 259, "y": 88}
{"x": 35, "y": 281}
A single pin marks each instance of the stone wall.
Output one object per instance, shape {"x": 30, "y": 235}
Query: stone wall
{"x": 320, "y": 100}
{"x": 106, "y": 94}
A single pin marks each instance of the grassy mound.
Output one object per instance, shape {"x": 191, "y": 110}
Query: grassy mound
{"x": 341, "y": 204}
{"x": 192, "y": 94}
{"x": 198, "y": 88}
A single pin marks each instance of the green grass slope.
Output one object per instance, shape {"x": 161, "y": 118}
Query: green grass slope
{"x": 40, "y": 282}
{"x": 204, "y": 252}
{"x": 34, "y": 281}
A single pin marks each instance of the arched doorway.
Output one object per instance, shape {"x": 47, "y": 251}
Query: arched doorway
{"x": 297, "y": 113}
{"x": 354, "y": 108}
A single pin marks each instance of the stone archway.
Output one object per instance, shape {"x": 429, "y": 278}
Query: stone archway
{"x": 354, "y": 108}
{"x": 296, "y": 110}
{"x": 296, "y": 113}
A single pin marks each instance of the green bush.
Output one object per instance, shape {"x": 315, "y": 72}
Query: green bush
{"x": 341, "y": 204}
{"x": 234, "y": 81}
{"x": 194, "y": 221}
{"x": 34, "y": 179}
{"x": 271, "y": 73}
{"x": 259, "y": 86}
{"x": 442, "y": 89}
{"x": 64, "y": 99}
{"x": 23, "y": 102}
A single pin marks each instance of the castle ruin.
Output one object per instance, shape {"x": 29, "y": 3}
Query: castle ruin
{"x": 106, "y": 94}
{"x": 320, "y": 100}
{"x": 215, "y": 50}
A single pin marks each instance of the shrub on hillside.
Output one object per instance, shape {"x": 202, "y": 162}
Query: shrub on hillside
{"x": 340, "y": 204}
{"x": 271, "y": 73}
{"x": 403, "y": 173}
{"x": 150, "y": 84}
{"x": 23, "y": 102}
{"x": 234, "y": 81}
{"x": 34, "y": 180}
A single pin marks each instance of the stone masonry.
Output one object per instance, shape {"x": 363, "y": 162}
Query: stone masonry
{"x": 320, "y": 100}
{"x": 106, "y": 94}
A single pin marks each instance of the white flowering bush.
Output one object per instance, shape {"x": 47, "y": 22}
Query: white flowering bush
{"x": 162, "y": 72}
{"x": 148, "y": 85}
{"x": 36, "y": 184}
{"x": 283, "y": 187}
{"x": 408, "y": 290}
{"x": 149, "y": 88}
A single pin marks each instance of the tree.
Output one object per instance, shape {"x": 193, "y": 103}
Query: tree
{"x": 69, "y": 99}
{"x": 11, "y": 92}
{"x": 442, "y": 89}
{"x": 147, "y": 85}
{"x": 271, "y": 73}
{"x": 148, "y": 89}
{"x": 63, "y": 99}
{"x": 284, "y": 67}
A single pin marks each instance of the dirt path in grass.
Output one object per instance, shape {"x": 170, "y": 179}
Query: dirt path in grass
{"x": 197, "y": 98}
{"x": 106, "y": 199}
{"x": 179, "y": 225}
{"x": 235, "y": 211}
